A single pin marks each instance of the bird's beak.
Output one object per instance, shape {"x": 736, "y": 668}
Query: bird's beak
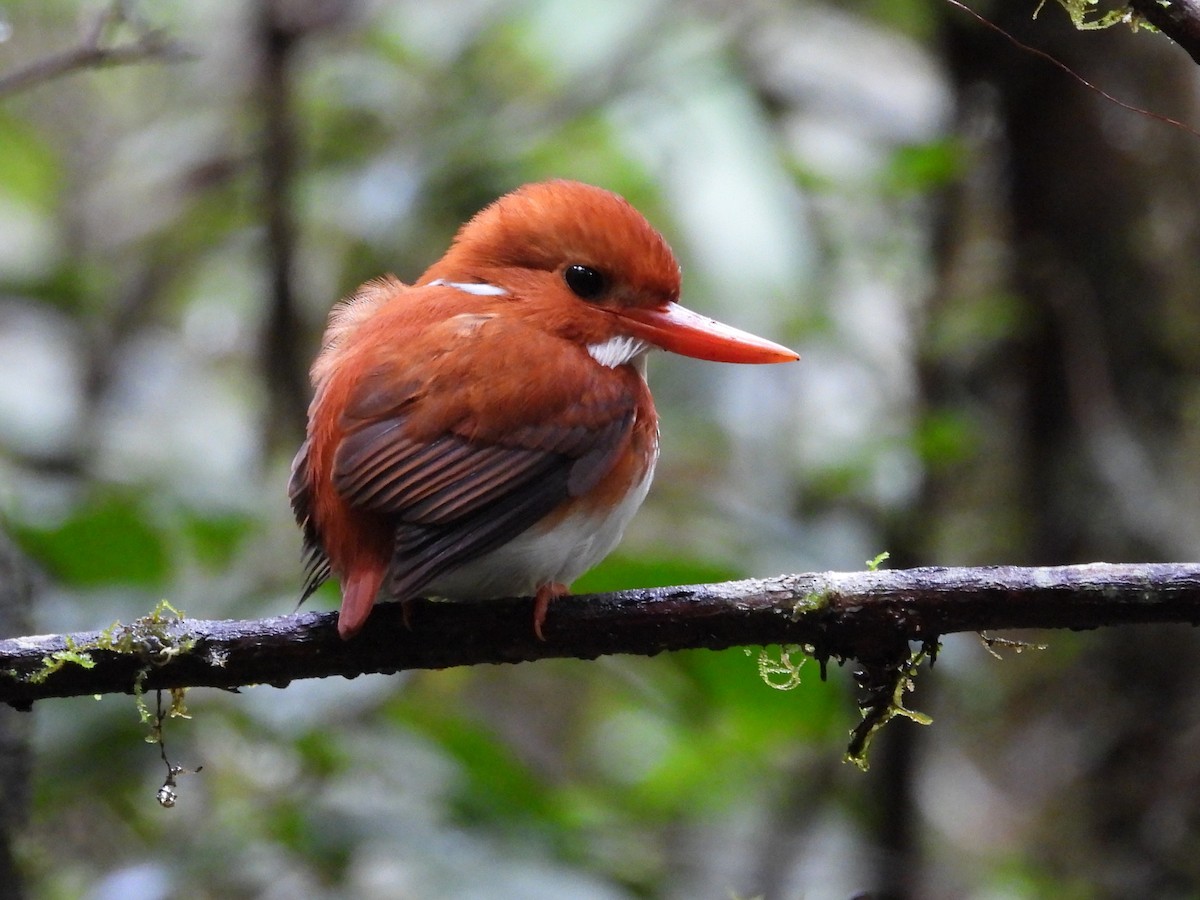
{"x": 679, "y": 330}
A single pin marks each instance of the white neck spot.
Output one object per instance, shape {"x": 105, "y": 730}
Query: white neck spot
{"x": 478, "y": 288}
{"x": 617, "y": 351}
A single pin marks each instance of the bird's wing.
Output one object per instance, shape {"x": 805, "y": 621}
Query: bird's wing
{"x": 344, "y": 318}
{"x": 471, "y": 433}
{"x": 316, "y": 563}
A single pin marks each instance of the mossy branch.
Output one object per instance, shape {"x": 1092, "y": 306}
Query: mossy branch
{"x": 873, "y": 617}
{"x": 1178, "y": 19}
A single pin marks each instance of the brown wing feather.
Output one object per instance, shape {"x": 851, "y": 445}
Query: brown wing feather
{"x": 460, "y": 471}
{"x": 316, "y": 563}
{"x": 422, "y": 552}
{"x": 426, "y": 482}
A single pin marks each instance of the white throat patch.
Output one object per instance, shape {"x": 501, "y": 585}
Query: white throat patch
{"x": 617, "y": 351}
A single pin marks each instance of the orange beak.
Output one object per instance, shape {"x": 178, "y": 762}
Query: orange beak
{"x": 679, "y": 330}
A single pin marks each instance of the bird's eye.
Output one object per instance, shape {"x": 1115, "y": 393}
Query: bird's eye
{"x": 584, "y": 281}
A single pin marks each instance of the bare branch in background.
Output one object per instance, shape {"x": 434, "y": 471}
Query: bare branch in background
{"x": 868, "y": 616}
{"x": 282, "y": 364}
{"x": 98, "y": 49}
{"x": 280, "y": 30}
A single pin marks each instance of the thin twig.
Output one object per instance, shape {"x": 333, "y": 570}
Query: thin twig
{"x": 92, "y": 52}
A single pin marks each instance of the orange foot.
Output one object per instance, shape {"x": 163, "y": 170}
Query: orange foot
{"x": 541, "y": 602}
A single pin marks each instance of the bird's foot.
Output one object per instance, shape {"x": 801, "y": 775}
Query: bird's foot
{"x": 541, "y": 602}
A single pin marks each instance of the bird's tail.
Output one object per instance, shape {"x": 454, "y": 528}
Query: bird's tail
{"x": 358, "y": 596}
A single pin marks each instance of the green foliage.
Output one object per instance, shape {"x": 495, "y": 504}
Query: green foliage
{"x": 590, "y": 147}
{"x": 216, "y": 540}
{"x": 724, "y": 731}
{"x": 110, "y": 539}
{"x": 498, "y": 786}
{"x": 908, "y": 16}
{"x": 918, "y": 168}
{"x": 970, "y": 325}
{"x": 945, "y": 438}
{"x": 643, "y": 743}
{"x": 622, "y": 571}
{"x": 32, "y": 172}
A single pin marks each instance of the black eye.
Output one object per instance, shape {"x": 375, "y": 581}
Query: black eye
{"x": 584, "y": 281}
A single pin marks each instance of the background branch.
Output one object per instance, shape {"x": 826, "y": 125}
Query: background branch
{"x": 284, "y": 371}
{"x": 868, "y": 616}
{"x": 95, "y": 50}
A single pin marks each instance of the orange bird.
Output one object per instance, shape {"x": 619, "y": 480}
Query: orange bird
{"x": 488, "y": 432}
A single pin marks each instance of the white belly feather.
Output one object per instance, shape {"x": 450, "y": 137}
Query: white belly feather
{"x": 538, "y": 556}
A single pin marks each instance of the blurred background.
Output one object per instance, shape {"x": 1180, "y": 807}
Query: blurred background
{"x": 992, "y": 276}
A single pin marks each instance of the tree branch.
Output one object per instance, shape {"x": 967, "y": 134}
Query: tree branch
{"x": 868, "y": 616}
{"x": 1177, "y": 19}
{"x": 93, "y": 52}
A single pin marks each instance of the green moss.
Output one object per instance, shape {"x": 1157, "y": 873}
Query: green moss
{"x": 811, "y": 602}
{"x": 874, "y": 564}
{"x": 885, "y": 701}
{"x": 148, "y": 638}
{"x": 1079, "y": 10}
{"x": 782, "y": 673}
{"x": 72, "y": 655}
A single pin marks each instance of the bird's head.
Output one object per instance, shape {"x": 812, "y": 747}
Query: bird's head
{"x": 589, "y": 266}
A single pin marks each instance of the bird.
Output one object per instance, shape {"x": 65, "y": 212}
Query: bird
{"x": 488, "y": 431}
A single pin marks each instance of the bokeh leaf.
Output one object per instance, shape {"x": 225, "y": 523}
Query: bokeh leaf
{"x": 111, "y": 539}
